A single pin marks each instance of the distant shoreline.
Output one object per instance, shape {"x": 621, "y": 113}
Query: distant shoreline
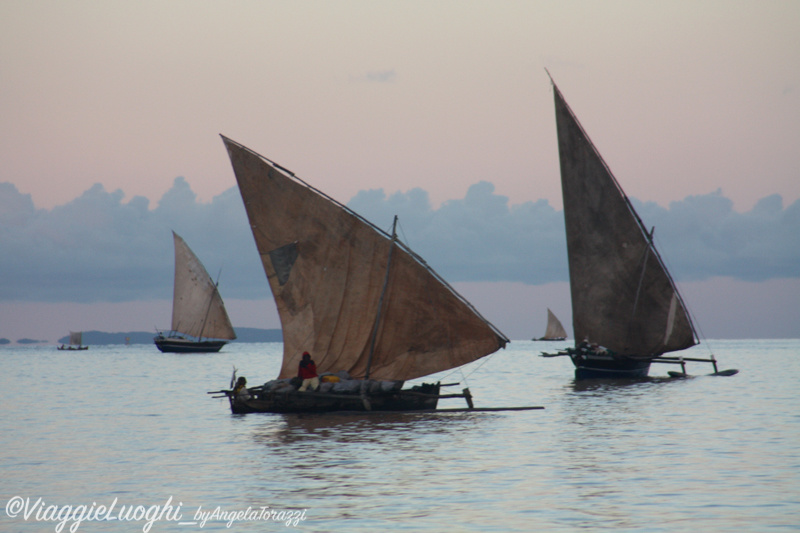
{"x": 244, "y": 335}
{"x": 145, "y": 337}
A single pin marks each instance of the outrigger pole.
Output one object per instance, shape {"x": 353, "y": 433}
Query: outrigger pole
{"x": 671, "y": 360}
{"x": 682, "y": 361}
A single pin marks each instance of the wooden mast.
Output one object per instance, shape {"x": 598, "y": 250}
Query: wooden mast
{"x": 380, "y": 301}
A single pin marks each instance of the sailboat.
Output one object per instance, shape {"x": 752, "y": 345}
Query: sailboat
{"x": 197, "y": 308}
{"x": 370, "y": 312}
{"x": 555, "y": 330}
{"x": 75, "y": 342}
{"x": 626, "y": 309}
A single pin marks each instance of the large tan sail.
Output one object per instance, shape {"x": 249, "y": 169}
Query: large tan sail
{"x": 622, "y": 295}
{"x": 197, "y": 307}
{"x": 327, "y": 268}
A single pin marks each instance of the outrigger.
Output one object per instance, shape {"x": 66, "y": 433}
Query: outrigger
{"x": 599, "y": 359}
{"x": 419, "y": 399}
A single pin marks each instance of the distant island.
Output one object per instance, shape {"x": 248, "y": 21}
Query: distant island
{"x": 144, "y": 337}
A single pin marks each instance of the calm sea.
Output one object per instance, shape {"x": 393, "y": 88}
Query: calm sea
{"x": 131, "y": 434}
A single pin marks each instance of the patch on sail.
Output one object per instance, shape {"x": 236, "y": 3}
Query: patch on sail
{"x": 283, "y": 259}
{"x": 673, "y": 308}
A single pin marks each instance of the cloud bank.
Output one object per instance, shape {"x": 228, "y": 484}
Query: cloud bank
{"x": 101, "y": 248}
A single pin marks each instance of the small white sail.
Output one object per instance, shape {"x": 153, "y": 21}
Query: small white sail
{"x": 197, "y": 307}
{"x": 555, "y": 330}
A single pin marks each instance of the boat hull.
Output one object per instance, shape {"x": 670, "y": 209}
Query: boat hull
{"x": 596, "y": 366}
{"x": 424, "y": 397}
{"x": 177, "y": 345}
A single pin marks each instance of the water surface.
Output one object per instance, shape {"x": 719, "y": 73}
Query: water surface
{"x": 132, "y": 424}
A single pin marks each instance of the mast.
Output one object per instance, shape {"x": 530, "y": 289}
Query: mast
{"x": 380, "y": 302}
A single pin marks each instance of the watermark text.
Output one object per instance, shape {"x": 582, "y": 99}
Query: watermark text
{"x": 71, "y": 517}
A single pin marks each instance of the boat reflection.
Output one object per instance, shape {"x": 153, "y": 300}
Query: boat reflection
{"x": 360, "y": 427}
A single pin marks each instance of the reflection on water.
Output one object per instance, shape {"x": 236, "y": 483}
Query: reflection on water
{"x": 319, "y": 442}
{"x": 402, "y": 464}
{"x": 638, "y": 384}
{"x": 361, "y": 428}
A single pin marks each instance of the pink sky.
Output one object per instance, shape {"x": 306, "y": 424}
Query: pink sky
{"x": 681, "y": 97}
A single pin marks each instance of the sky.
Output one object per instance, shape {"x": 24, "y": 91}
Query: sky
{"x": 442, "y": 111}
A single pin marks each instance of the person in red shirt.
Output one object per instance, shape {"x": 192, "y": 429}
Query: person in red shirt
{"x": 307, "y": 371}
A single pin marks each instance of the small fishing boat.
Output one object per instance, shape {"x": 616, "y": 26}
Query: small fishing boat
{"x": 626, "y": 309}
{"x": 555, "y": 330}
{"x": 370, "y": 311}
{"x": 75, "y": 342}
{"x": 200, "y": 323}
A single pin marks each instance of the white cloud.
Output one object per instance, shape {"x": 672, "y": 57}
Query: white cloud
{"x": 703, "y": 237}
{"x": 99, "y": 248}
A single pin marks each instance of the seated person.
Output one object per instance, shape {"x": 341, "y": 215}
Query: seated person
{"x": 240, "y": 391}
{"x": 307, "y": 371}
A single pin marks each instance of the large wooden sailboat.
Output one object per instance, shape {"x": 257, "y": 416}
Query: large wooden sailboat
{"x": 626, "y": 309}
{"x": 371, "y": 313}
{"x": 200, "y": 323}
{"x": 555, "y": 329}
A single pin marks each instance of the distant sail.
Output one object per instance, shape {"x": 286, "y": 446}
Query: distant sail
{"x": 327, "y": 268}
{"x": 555, "y": 330}
{"x": 76, "y": 338}
{"x": 197, "y": 307}
{"x": 623, "y": 298}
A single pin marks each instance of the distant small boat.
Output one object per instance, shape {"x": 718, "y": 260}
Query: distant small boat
{"x": 75, "y": 342}
{"x": 555, "y": 330}
{"x": 197, "y": 308}
{"x": 626, "y": 309}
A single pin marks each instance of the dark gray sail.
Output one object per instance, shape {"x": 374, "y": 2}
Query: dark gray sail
{"x": 623, "y": 298}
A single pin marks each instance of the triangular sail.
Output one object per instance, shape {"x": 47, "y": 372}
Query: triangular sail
{"x": 623, "y": 298}
{"x": 327, "y": 268}
{"x": 197, "y": 308}
{"x": 555, "y": 330}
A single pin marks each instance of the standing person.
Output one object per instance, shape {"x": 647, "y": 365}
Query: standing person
{"x": 307, "y": 371}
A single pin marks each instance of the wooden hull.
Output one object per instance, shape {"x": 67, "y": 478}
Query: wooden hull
{"x": 178, "y": 345}
{"x": 600, "y": 366}
{"x": 424, "y": 397}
